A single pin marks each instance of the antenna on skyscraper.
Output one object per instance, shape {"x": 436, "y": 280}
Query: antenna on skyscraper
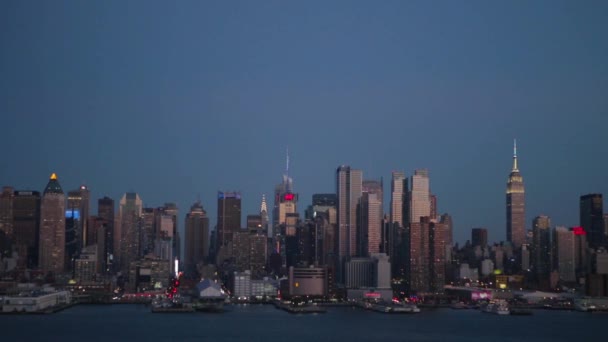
{"x": 287, "y": 179}
{"x": 515, "y": 155}
{"x": 287, "y": 166}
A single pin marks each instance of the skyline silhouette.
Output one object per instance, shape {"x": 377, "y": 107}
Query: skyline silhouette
{"x": 176, "y": 100}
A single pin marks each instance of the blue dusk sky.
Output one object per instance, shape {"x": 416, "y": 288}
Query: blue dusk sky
{"x": 172, "y": 99}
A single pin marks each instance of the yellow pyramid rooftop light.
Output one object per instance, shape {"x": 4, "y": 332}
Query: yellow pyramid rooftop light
{"x": 53, "y": 176}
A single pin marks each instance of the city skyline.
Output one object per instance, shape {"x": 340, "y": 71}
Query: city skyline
{"x": 177, "y": 103}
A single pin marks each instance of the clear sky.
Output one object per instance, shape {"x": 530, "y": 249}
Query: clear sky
{"x": 173, "y": 99}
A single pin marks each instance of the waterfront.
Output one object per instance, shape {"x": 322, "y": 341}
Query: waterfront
{"x": 266, "y": 323}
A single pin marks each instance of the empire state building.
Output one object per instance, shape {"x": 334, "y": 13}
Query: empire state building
{"x": 516, "y": 229}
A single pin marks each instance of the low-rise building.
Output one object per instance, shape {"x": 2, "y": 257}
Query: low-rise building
{"x": 35, "y": 301}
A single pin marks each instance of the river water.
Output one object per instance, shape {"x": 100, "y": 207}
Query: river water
{"x": 266, "y": 323}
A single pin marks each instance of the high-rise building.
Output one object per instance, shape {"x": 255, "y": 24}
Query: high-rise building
{"x": 606, "y": 226}
{"x": 254, "y": 222}
{"x": 323, "y": 203}
{"x": 396, "y": 239}
{"x": 437, "y": 255}
{"x": 541, "y": 248}
{"x": 419, "y": 198}
{"x": 433, "y": 205}
{"x": 370, "y": 220}
{"x": 398, "y": 200}
{"x": 563, "y": 254}
{"x": 148, "y": 230}
{"x": 130, "y": 213}
{"x": 228, "y": 219}
{"x": 285, "y": 200}
{"x": 6, "y": 212}
{"x": 258, "y": 252}
{"x": 516, "y": 229}
{"x": 26, "y": 227}
{"x": 80, "y": 200}
{"x": 164, "y": 244}
{"x": 52, "y": 228}
{"x": 592, "y": 219}
{"x": 417, "y": 270}
{"x": 581, "y": 258}
{"x": 73, "y": 225}
{"x": 76, "y": 221}
{"x": 479, "y": 237}
{"x": 170, "y": 209}
{"x": 449, "y": 226}
{"x": 105, "y": 211}
{"x": 349, "y": 184}
{"x": 197, "y": 237}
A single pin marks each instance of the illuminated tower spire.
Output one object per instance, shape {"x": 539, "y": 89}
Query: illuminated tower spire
{"x": 263, "y": 206}
{"x": 264, "y": 213}
{"x": 515, "y": 155}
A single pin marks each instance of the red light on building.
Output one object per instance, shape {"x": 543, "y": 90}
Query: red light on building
{"x": 579, "y": 231}
{"x": 372, "y": 295}
{"x": 289, "y": 197}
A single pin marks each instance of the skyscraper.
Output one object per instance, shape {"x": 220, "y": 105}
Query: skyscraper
{"x": 197, "y": 237}
{"x": 563, "y": 254}
{"x": 420, "y": 201}
{"x": 437, "y": 255}
{"x": 80, "y": 200}
{"x": 398, "y": 193}
{"x": 395, "y": 229}
{"x": 228, "y": 217}
{"x": 6, "y": 212}
{"x": 433, "y": 206}
{"x": 285, "y": 201}
{"x": 171, "y": 210}
{"x": 592, "y": 219}
{"x": 52, "y": 228}
{"x": 449, "y": 228}
{"x": 348, "y": 188}
{"x": 26, "y": 227}
{"x": 105, "y": 210}
{"x": 418, "y": 256}
{"x": 77, "y": 213}
{"x": 541, "y": 248}
{"x": 516, "y": 229}
{"x": 264, "y": 213}
{"x": 130, "y": 213}
{"x": 479, "y": 237}
{"x": 370, "y": 221}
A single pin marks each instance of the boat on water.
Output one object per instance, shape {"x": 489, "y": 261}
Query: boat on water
{"x": 170, "y": 306}
{"x": 301, "y": 308}
{"x": 498, "y": 307}
{"x": 407, "y": 308}
{"x": 385, "y": 307}
{"x": 584, "y": 305}
{"x": 459, "y": 306}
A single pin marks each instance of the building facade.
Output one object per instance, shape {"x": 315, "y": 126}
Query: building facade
{"x": 197, "y": 237}
{"x": 516, "y": 229}
{"x": 592, "y": 219}
{"x": 419, "y": 198}
{"x": 130, "y": 213}
{"x": 52, "y": 228}
{"x": 541, "y": 248}
{"x": 228, "y": 218}
{"x": 563, "y": 254}
{"x": 349, "y": 184}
